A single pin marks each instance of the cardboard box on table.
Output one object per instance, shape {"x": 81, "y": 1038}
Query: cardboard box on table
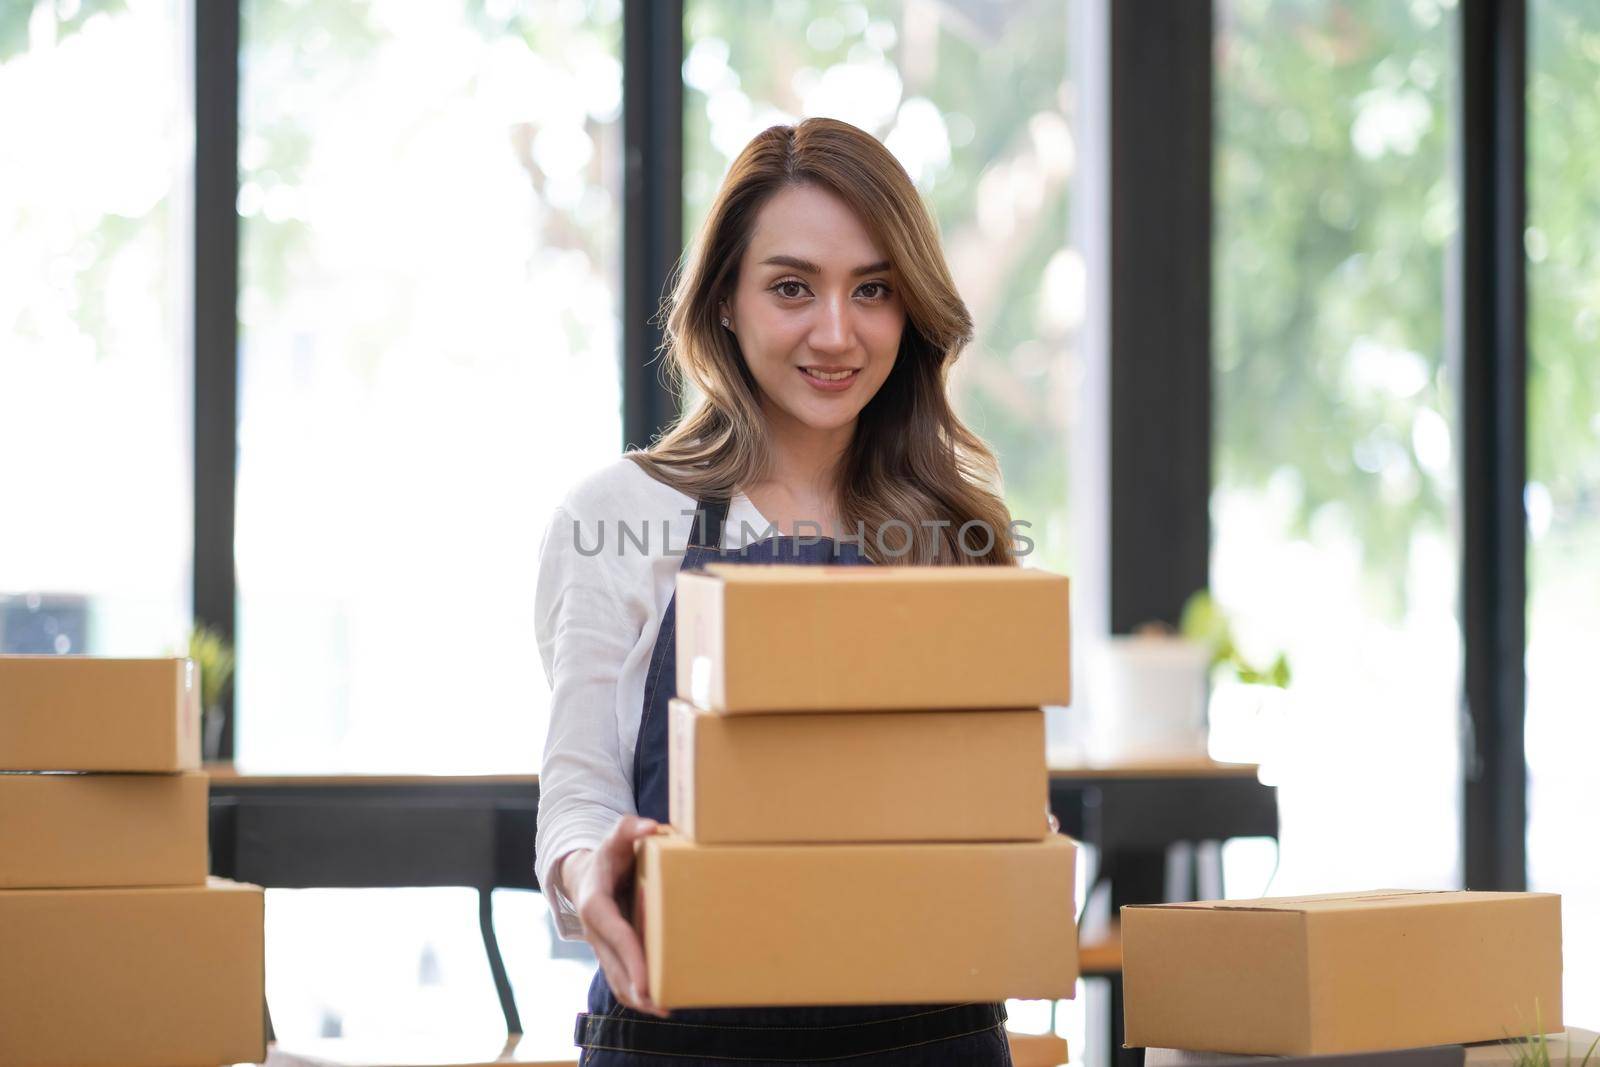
{"x": 1037, "y": 1050}
{"x": 112, "y": 830}
{"x": 1567, "y": 1046}
{"x": 443, "y": 1050}
{"x": 163, "y": 977}
{"x": 795, "y": 638}
{"x": 88, "y": 713}
{"x": 856, "y": 777}
{"x": 763, "y": 925}
{"x": 1427, "y": 1056}
{"x": 1342, "y": 972}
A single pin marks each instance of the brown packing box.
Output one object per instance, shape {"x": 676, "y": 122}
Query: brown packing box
{"x": 168, "y": 977}
{"x": 1037, "y": 1050}
{"x": 879, "y": 776}
{"x": 786, "y": 637}
{"x": 87, "y": 713}
{"x": 77, "y": 830}
{"x": 1566, "y": 1048}
{"x": 1342, "y": 972}
{"x": 753, "y": 925}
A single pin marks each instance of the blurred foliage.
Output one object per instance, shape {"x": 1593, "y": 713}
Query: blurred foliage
{"x": 69, "y": 19}
{"x": 1336, "y": 210}
{"x": 1563, "y": 244}
{"x": 1203, "y": 620}
{"x": 95, "y": 245}
{"x": 1335, "y": 207}
{"x": 294, "y": 55}
{"x": 288, "y": 55}
{"x": 1533, "y": 1049}
{"x": 213, "y": 656}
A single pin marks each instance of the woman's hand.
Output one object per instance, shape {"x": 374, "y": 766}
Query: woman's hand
{"x": 600, "y": 885}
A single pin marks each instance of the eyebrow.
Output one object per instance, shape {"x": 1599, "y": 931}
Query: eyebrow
{"x": 805, "y": 266}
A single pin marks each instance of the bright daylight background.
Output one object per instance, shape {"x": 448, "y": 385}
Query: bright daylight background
{"x": 429, "y": 323}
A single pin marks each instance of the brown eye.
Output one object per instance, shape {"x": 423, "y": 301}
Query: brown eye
{"x": 882, "y": 290}
{"x": 782, "y": 289}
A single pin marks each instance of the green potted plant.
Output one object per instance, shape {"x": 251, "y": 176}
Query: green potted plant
{"x": 1151, "y": 691}
{"x": 1147, "y": 698}
{"x": 213, "y": 658}
{"x": 1245, "y": 697}
{"x": 1203, "y": 620}
{"x": 1533, "y": 1050}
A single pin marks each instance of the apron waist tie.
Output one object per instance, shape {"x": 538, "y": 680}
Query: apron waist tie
{"x": 635, "y": 1032}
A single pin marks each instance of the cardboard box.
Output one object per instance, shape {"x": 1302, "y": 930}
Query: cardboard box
{"x": 1427, "y": 1056}
{"x": 877, "y": 776}
{"x": 1342, "y": 972}
{"x": 1565, "y": 1047}
{"x": 167, "y": 977}
{"x": 87, "y": 713}
{"x": 76, "y": 830}
{"x": 787, "y": 637}
{"x": 755, "y": 925}
{"x": 1037, "y": 1050}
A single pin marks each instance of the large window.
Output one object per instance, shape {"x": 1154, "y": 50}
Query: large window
{"x": 1334, "y": 444}
{"x": 95, "y": 507}
{"x": 1563, "y": 496}
{"x": 430, "y": 222}
{"x": 429, "y": 206}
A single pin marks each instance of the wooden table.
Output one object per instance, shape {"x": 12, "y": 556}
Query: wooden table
{"x": 1132, "y": 813}
{"x": 1027, "y": 1050}
{"x": 478, "y": 831}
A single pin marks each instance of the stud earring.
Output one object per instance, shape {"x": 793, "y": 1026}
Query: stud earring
{"x": 724, "y": 322}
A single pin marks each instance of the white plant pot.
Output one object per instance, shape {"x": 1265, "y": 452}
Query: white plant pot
{"x": 1147, "y": 699}
{"x": 1248, "y": 722}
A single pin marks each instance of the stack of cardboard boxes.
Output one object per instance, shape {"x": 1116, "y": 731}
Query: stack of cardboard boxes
{"x": 859, "y": 793}
{"x": 115, "y": 948}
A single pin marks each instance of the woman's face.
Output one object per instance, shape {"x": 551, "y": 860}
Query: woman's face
{"x": 815, "y": 310}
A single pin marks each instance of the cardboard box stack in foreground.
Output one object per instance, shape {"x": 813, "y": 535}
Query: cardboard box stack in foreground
{"x": 1342, "y": 972}
{"x": 115, "y": 947}
{"x": 859, "y": 793}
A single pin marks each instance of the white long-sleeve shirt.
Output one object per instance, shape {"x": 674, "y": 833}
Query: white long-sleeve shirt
{"x": 607, "y": 570}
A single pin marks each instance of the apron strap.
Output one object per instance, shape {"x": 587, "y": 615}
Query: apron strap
{"x": 709, "y": 515}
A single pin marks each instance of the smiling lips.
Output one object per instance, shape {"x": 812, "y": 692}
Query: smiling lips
{"x": 830, "y": 379}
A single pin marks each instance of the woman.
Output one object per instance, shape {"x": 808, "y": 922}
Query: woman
{"x": 816, "y": 316}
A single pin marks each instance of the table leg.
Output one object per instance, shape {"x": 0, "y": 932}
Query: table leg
{"x": 1121, "y": 1057}
{"x": 1137, "y": 876}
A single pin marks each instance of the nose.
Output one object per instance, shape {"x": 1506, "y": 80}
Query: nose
{"x": 831, "y": 332}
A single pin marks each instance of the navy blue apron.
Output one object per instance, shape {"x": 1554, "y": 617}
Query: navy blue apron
{"x": 902, "y": 1035}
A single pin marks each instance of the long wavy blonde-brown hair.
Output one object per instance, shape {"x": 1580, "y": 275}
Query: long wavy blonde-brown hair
{"x": 911, "y": 461}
